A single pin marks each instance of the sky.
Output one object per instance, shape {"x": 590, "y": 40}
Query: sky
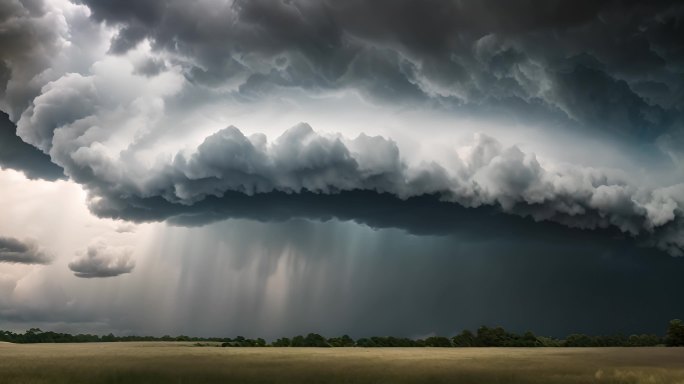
{"x": 269, "y": 168}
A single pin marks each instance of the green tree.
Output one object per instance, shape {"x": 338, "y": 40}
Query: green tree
{"x": 437, "y": 341}
{"x": 315, "y": 340}
{"x": 282, "y": 342}
{"x": 365, "y": 343}
{"x": 491, "y": 337}
{"x": 579, "y": 340}
{"x": 298, "y": 341}
{"x": 464, "y": 339}
{"x": 343, "y": 341}
{"x": 675, "y": 334}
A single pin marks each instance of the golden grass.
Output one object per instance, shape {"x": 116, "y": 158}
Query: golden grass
{"x": 157, "y": 362}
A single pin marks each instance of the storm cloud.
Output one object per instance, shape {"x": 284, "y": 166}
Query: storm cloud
{"x": 608, "y": 69}
{"x": 334, "y": 166}
{"x": 228, "y": 164}
{"x": 608, "y": 66}
{"x": 22, "y": 252}
{"x": 100, "y": 260}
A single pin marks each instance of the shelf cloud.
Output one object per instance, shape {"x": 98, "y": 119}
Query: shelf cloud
{"x": 507, "y": 62}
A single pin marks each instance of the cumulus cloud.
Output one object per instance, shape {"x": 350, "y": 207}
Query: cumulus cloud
{"x": 475, "y": 56}
{"x": 22, "y": 252}
{"x": 100, "y": 260}
{"x": 125, "y": 228}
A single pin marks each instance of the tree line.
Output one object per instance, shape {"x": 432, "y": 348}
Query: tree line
{"x": 482, "y": 337}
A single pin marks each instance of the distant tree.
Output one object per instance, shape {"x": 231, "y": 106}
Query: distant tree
{"x": 675, "y": 334}
{"x": 346, "y": 341}
{"x": 282, "y": 342}
{"x": 365, "y": 343}
{"x": 578, "y": 340}
{"x": 528, "y": 339}
{"x": 549, "y": 342}
{"x": 315, "y": 340}
{"x": 437, "y": 341}
{"x": 343, "y": 341}
{"x": 298, "y": 341}
{"x": 109, "y": 338}
{"x": 464, "y": 339}
{"x": 643, "y": 340}
{"x": 491, "y": 337}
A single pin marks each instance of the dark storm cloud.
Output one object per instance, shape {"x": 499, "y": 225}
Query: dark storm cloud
{"x": 609, "y": 65}
{"x": 29, "y": 41}
{"x": 16, "y": 154}
{"x": 99, "y": 260}
{"x": 21, "y": 252}
{"x": 557, "y": 61}
{"x": 306, "y": 174}
{"x": 302, "y": 160}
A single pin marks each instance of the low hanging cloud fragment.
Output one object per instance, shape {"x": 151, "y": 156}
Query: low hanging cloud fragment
{"x": 16, "y": 251}
{"x": 100, "y": 261}
{"x": 125, "y": 228}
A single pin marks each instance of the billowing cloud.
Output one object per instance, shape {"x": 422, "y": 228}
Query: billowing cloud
{"x": 100, "y": 260}
{"x": 606, "y": 70}
{"x": 302, "y": 160}
{"x": 22, "y": 252}
{"x": 231, "y": 175}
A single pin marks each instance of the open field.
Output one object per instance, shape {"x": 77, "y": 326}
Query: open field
{"x": 156, "y": 362}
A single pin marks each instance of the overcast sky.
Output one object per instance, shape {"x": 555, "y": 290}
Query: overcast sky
{"x": 405, "y": 167}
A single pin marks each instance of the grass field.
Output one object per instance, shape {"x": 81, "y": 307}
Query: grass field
{"x": 184, "y": 363}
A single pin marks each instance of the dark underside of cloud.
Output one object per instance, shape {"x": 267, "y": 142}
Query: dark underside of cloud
{"x": 424, "y": 215}
{"x": 23, "y": 157}
{"x": 21, "y": 252}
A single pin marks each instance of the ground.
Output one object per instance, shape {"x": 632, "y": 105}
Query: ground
{"x": 157, "y": 362}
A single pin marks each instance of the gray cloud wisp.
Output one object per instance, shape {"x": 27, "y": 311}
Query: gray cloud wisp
{"x": 22, "y": 252}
